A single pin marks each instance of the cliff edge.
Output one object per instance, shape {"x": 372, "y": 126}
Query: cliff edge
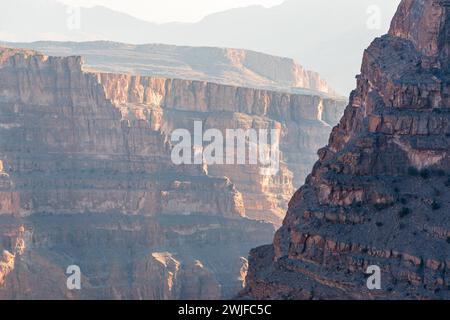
{"x": 379, "y": 195}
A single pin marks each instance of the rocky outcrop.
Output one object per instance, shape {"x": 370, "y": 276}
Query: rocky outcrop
{"x": 17, "y": 244}
{"x": 379, "y": 195}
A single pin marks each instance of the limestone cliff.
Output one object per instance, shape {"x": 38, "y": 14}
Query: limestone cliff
{"x": 238, "y": 67}
{"x": 168, "y": 104}
{"x": 86, "y": 175}
{"x": 83, "y": 185}
{"x": 304, "y": 120}
{"x": 379, "y": 195}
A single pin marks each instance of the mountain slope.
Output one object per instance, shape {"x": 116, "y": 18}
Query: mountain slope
{"x": 379, "y": 195}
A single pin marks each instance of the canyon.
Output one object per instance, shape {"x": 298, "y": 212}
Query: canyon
{"x": 86, "y": 179}
{"x": 379, "y": 194}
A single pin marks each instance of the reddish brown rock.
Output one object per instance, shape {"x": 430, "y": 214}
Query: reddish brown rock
{"x": 169, "y": 104}
{"x": 226, "y": 66}
{"x": 86, "y": 173}
{"x": 84, "y": 184}
{"x": 379, "y": 195}
{"x": 85, "y": 169}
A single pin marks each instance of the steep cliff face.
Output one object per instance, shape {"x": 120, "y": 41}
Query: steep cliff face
{"x": 168, "y": 104}
{"x": 86, "y": 174}
{"x": 379, "y": 195}
{"x": 304, "y": 121}
{"x": 59, "y": 126}
{"x": 83, "y": 185}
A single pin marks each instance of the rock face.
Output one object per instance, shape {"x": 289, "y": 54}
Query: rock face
{"x": 86, "y": 179}
{"x": 379, "y": 195}
{"x": 82, "y": 185}
{"x": 238, "y": 67}
{"x": 304, "y": 120}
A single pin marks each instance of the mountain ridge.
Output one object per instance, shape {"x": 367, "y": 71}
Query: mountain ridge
{"x": 295, "y": 30}
{"x": 221, "y": 65}
{"x": 87, "y": 179}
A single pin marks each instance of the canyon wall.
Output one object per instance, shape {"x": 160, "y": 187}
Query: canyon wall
{"x": 379, "y": 195}
{"x": 304, "y": 121}
{"x": 86, "y": 178}
{"x": 82, "y": 186}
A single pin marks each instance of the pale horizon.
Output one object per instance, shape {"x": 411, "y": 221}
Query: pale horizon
{"x": 171, "y": 10}
{"x": 289, "y": 28}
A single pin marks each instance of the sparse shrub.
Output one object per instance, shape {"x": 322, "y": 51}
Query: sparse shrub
{"x": 448, "y": 240}
{"x": 435, "y": 205}
{"x": 403, "y": 201}
{"x": 404, "y": 212}
{"x": 437, "y": 192}
{"x": 439, "y": 173}
{"x": 358, "y": 204}
{"x": 382, "y": 206}
{"x": 396, "y": 190}
{"x": 425, "y": 174}
{"x": 447, "y": 183}
{"x": 413, "y": 172}
{"x": 379, "y": 224}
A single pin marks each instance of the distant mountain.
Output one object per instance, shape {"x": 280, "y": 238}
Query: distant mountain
{"x": 221, "y": 65}
{"x": 325, "y": 36}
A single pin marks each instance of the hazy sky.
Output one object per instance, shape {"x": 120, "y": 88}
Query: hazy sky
{"x": 171, "y": 10}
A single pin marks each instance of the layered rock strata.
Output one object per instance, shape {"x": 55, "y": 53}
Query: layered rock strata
{"x": 238, "y": 67}
{"x": 83, "y": 185}
{"x": 170, "y": 104}
{"x": 87, "y": 179}
{"x": 379, "y": 195}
